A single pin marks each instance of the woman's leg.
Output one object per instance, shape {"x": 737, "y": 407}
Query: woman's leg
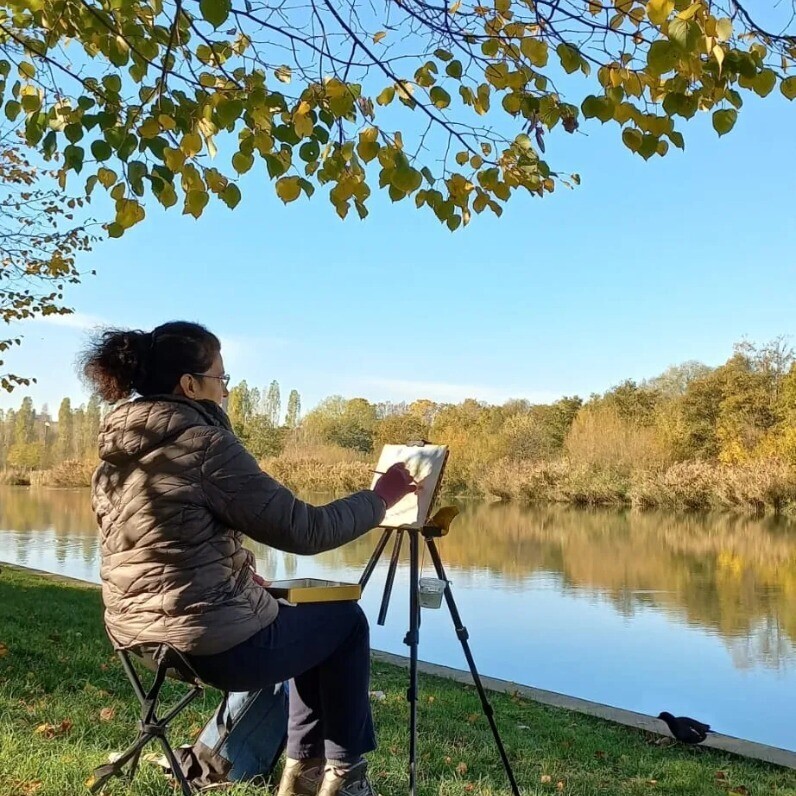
{"x": 324, "y": 648}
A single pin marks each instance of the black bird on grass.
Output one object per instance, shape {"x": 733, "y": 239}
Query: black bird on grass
{"x": 684, "y": 729}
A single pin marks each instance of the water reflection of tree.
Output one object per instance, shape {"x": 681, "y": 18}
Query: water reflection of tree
{"x": 733, "y": 575}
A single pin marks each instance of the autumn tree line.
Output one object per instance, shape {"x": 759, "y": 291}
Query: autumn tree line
{"x": 694, "y": 437}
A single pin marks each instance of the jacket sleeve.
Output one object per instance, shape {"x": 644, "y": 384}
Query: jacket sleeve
{"x": 248, "y": 500}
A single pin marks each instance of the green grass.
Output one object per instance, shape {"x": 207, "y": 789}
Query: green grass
{"x": 57, "y": 671}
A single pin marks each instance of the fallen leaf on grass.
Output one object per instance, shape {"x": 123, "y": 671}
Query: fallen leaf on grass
{"x": 523, "y": 727}
{"x": 53, "y": 730}
{"x": 545, "y": 779}
{"x": 27, "y": 788}
{"x": 3, "y": 650}
{"x": 472, "y": 718}
{"x": 599, "y": 755}
{"x": 560, "y": 785}
{"x": 461, "y": 768}
{"x": 431, "y": 699}
{"x": 469, "y": 787}
{"x": 107, "y": 714}
{"x": 379, "y": 696}
{"x": 720, "y": 775}
{"x": 742, "y": 790}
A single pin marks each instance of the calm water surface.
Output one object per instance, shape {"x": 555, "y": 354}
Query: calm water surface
{"x": 648, "y": 612}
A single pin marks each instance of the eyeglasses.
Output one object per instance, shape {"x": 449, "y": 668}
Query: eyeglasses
{"x": 224, "y": 377}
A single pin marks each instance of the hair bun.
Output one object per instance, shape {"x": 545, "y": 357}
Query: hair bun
{"x": 118, "y": 362}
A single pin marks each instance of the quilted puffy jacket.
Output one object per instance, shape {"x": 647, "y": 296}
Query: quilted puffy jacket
{"x": 174, "y": 494}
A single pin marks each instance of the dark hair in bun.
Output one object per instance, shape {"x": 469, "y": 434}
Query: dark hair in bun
{"x": 119, "y": 362}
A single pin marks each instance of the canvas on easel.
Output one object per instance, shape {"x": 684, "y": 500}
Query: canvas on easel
{"x": 426, "y": 464}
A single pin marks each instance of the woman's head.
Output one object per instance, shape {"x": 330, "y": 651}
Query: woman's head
{"x": 178, "y": 357}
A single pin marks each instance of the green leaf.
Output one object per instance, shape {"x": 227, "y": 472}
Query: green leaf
{"x": 215, "y": 12}
{"x": 73, "y": 157}
{"x": 167, "y": 196}
{"x": 386, "y": 96}
{"x": 678, "y": 32}
{"x": 230, "y": 196}
{"x": 309, "y": 151}
{"x": 632, "y": 138}
{"x": 661, "y": 58}
{"x": 13, "y": 109}
{"x": 764, "y": 83}
{"x": 195, "y": 202}
{"x": 535, "y": 50}
{"x": 724, "y": 120}
{"x": 242, "y": 162}
{"x": 439, "y": 97}
{"x": 677, "y": 139}
{"x": 649, "y": 146}
{"x": 229, "y": 111}
{"x": 288, "y": 189}
{"x": 598, "y": 107}
{"x": 101, "y": 150}
{"x": 128, "y": 213}
{"x": 570, "y": 58}
{"x": 788, "y": 88}
{"x": 454, "y": 69}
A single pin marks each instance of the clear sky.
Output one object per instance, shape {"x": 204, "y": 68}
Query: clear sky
{"x": 643, "y": 266}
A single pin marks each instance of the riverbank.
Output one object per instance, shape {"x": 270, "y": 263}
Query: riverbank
{"x": 65, "y": 704}
{"x": 758, "y": 487}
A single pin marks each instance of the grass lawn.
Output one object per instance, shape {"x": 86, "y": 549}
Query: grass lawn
{"x": 65, "y": 704}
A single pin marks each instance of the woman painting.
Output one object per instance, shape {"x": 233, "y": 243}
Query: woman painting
{"x": 174, "y": 495}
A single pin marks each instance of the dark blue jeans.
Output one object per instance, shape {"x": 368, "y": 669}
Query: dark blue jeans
{"x": 324, "y": 649}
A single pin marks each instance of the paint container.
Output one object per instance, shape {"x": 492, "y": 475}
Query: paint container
{"x": 431, "y": 591}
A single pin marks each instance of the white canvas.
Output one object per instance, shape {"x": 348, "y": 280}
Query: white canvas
{"x": 426, "y": 464}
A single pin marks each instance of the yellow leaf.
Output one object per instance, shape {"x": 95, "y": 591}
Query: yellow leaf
{"x": 690, "y": 12}
{"x": 718, "y": 54}
{"x": 191, "y": 144}
{"x": 455, "y": 7}
{"x": 3, "y": 650}
{"x": 288, "y": 189}
{"x": 107, "y": 714}
{"x": 658, "y": 10}
{"x": 377, "y": 37}
{"x": 302, "y": 121}
{"x": 724, "y": 29}
{"x": 595, "y": 6}
{"x": 283, "y": 74}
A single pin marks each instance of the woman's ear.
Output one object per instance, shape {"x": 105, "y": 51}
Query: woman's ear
{"x": 186, "y": 386}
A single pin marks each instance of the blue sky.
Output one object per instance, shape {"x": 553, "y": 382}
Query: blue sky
{"x": 643, "y": 266}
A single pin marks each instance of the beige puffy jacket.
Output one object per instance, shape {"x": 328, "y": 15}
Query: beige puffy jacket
{"x": 174, "y": 494}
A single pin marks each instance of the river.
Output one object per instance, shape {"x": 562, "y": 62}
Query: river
{"x": 649, "y": 612}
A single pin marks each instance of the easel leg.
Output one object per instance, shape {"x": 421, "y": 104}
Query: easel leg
{"x": 463, "y": 635}
{"x": 412, "y": 640}
{"x": 388, "y": 583}
{"x": 374, "y": 558}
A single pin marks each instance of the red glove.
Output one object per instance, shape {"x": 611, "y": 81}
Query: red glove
{"x": 395, "y": 484}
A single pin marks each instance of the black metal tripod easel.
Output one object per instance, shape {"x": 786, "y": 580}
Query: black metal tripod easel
{"x": 412, "y": 639}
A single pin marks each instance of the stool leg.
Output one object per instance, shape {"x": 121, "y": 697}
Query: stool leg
{"x": 176, "y": 771}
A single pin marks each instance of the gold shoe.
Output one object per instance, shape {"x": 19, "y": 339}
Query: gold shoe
{"x": 301, "y": 777}
{"x": 346, "y": 781}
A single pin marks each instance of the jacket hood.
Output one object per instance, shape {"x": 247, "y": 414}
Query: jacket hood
{"x": 138, "y": 426}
